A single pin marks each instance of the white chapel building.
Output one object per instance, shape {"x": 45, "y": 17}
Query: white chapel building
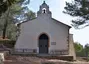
{"x": 44, "y": 35}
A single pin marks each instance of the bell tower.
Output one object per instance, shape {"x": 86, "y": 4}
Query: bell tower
{"x": 44, "y": 10}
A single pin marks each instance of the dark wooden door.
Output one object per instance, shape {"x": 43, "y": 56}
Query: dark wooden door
{"x": 43, "y": 46}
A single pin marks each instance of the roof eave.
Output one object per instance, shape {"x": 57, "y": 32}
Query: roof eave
{"x": 62, "y": 23}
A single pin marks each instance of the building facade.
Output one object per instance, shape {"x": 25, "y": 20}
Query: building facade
{"x": 44, "y": 35}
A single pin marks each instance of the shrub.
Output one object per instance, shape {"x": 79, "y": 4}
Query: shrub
{"x": 8, "y": 43}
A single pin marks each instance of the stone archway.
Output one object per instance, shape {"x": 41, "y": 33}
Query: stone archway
{"x": 43, "y": 44}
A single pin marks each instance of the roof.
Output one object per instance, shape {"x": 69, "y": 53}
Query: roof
{"x": 25, "y": 21}
{"x": 61, "y": 22}
{"x": 52, "y": 19}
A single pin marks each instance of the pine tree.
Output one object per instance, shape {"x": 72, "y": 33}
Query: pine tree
{"x": 79, "y": 9}
{"x": 16, "y": 13}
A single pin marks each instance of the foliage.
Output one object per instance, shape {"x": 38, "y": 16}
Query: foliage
{"x": 80, "y": 50}
{"x": 30, "y": 15}
{"x": 15, "y": 14}
{"x": 4, "y": 4}
{"x": 80, "y": 10}
{"x": 78, "y": 47}
{"x": 87, "y": 50}
{"x": 8, "y": 43}
{"x": 19, "y": 10}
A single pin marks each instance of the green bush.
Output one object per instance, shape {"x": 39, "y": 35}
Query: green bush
{"x": 8, "y": 43}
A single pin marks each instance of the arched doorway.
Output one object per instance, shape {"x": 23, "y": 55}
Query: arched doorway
{"x": 43, "y": 44}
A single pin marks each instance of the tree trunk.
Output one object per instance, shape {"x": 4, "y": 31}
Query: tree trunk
{"x": 5, "y": 24}
{"x": 4, "y": 29}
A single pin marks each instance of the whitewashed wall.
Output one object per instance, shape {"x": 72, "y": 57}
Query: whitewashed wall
{"x": 31, "y": 30}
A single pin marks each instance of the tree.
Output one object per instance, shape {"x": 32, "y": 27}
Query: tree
{"x": 5, "y": 21}
{"x": 30, "y": 15}
{"x": 15, "y": 14}
{"x": 80, "y": 10}
{"x": 86, "y": 49}
{"x": 19, "y": 10}
{"x": 4, "y": 4}
{"x": 78, "y": 47}
{"x": 80, "y": 50}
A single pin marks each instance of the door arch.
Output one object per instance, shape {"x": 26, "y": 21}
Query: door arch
{"x": 43, "y": 43}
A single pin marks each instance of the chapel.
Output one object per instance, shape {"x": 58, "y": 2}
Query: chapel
{"x": 45, "y": 35}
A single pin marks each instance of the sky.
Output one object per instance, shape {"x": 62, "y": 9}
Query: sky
{"x": 56, "y": 7}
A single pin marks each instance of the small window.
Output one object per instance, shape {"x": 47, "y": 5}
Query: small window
{"x": 44, "y": 10}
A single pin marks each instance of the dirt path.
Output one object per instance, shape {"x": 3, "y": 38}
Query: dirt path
{"x": 36, "y": 60}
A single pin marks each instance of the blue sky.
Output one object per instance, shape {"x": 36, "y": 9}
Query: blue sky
{"x": 56, "y": 7}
